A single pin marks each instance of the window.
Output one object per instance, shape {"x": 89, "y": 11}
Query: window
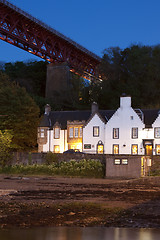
{"x": 134, "y": 132}
{"x": 56, "y": 133}
{"x": 124, "y": 161}
{"x": 87, "y": 146}
{"x": 56, "y": 149}
{"x": 71, "y": 132}
{"x": 157, "y": 149}
{"x": 117, "y": 161}
{"x": 115, "y": 149}
{"x": 42, "y": 133}
{"x": 76, "y": 132}
{"x": 134, "y": 149}
{"x": 157, "y": 132}
{"x": 115, "y": 133}
{"x": 80, "y": 132}
{"x": 95, "y": 131}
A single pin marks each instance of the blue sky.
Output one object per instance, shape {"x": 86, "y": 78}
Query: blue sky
{"x": 95, "y": 24}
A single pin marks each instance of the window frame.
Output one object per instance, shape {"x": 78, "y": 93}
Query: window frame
{"x": 155, "y": 134}
{"x": 113, "y": 149}
{"x": 114, "y": 133}
{"x": 71, "y": 128}
{"x": 95, "y": 127}
{"x": 132, "y": 149}
{"x": 156, "y": 148}
{"x": 76, "y": 132}
{"x": 134, "y": 136}
{"x": 58, "y": 136}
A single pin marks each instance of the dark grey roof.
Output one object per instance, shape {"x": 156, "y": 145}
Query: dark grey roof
{"x": 63, "y": 116}
{"x": 150, "y": 116}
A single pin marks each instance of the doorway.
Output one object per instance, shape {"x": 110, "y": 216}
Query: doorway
{"x": 148, "y": 150}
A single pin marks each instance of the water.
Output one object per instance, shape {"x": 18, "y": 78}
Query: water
{"x": 72, "y": 233}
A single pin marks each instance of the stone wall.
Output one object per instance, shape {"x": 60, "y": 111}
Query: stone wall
{"x": 39, "y": 158}
{"x": 123, "y": 166}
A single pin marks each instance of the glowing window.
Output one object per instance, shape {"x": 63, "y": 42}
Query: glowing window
{"x": 56, "y": 149}
{"x": 115, "y": 149}
{"x": 134, "y": 149}
{"x": 124, "y": 161}
{"x": 117, "y": 161}
{"x": 158, "y": 149}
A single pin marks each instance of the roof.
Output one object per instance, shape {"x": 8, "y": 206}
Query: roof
{"x": 150, "y": 116}
{"x": 62, "y": 117}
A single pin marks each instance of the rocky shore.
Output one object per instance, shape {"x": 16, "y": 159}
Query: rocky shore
{"x": 53, "y": 201}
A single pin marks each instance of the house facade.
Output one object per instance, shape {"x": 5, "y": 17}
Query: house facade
{"x": 122, "y": 131}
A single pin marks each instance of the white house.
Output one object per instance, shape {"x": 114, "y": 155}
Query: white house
{"x": 124, "y": 131}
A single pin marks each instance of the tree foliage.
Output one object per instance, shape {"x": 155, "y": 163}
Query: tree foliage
{"x": 19, "y": 113}
{"x": 5, "y": 147}
{"x": 135, "y": 71}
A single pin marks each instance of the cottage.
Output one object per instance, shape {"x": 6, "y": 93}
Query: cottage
{"x": 124, "y": 131}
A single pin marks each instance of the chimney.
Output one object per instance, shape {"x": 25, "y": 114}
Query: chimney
{"x": 94, "y": 107}
{"x": 125, "y": 101}
{"x": 47, "y": 109}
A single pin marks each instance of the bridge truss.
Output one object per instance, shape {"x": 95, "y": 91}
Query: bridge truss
{"x": 28, "y": 33}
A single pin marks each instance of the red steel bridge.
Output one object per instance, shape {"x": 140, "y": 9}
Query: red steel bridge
{"x": 30, "y": 34}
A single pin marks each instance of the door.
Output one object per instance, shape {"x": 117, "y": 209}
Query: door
{"x": 149, "y": 150}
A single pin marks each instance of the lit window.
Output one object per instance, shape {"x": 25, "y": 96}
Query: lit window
{"x": 157, "y": 132}
{"x": 134, "y": 149}
{"x": 158, "y": 149}
{"x": 76, "y": 132}
{"x": 56, "y": 149}
{"x": 56, "y": 133}
{"x": 115, "y": 133}
{"x": 115, "y": 149}
{"x": 100, "y": 149}
{"x": 117, "y": 161}
{"x": 95, "y": 131}
{"x": 124, "y": 161}
{"x": 134, "y": 132}
{"x": 71, "y": 132}
{"x": 80, "y": 132}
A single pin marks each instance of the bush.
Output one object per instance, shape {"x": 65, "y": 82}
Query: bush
{"x": 83, "y": 168}
{"x": 51, "y": 158}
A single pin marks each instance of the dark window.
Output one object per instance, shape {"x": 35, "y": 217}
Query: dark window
{"x": 95, "y": 131}
{"x": 134, "y": 132}
{"x": 115, "y": 133}
{"x": 157, "y": 132}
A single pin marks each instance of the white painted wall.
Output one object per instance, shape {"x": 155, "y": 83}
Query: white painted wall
{"x": 62, "y": 141}
{"x": 125, "y": 118}
{"x": 88, "y": 134}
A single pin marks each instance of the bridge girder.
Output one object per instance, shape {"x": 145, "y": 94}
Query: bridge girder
{"x": 22, "y": 30}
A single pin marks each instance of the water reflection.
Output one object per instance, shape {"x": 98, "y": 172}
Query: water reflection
{"x": 67, "y": 233}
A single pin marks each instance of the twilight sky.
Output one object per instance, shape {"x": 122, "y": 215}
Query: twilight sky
{"x": 95, "y": 24}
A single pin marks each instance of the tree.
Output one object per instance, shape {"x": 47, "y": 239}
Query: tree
{"x": 21, "y": 114}
{"x": 5, "y": 147}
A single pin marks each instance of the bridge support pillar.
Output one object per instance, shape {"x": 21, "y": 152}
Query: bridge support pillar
{"x": 58, "y": 80}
